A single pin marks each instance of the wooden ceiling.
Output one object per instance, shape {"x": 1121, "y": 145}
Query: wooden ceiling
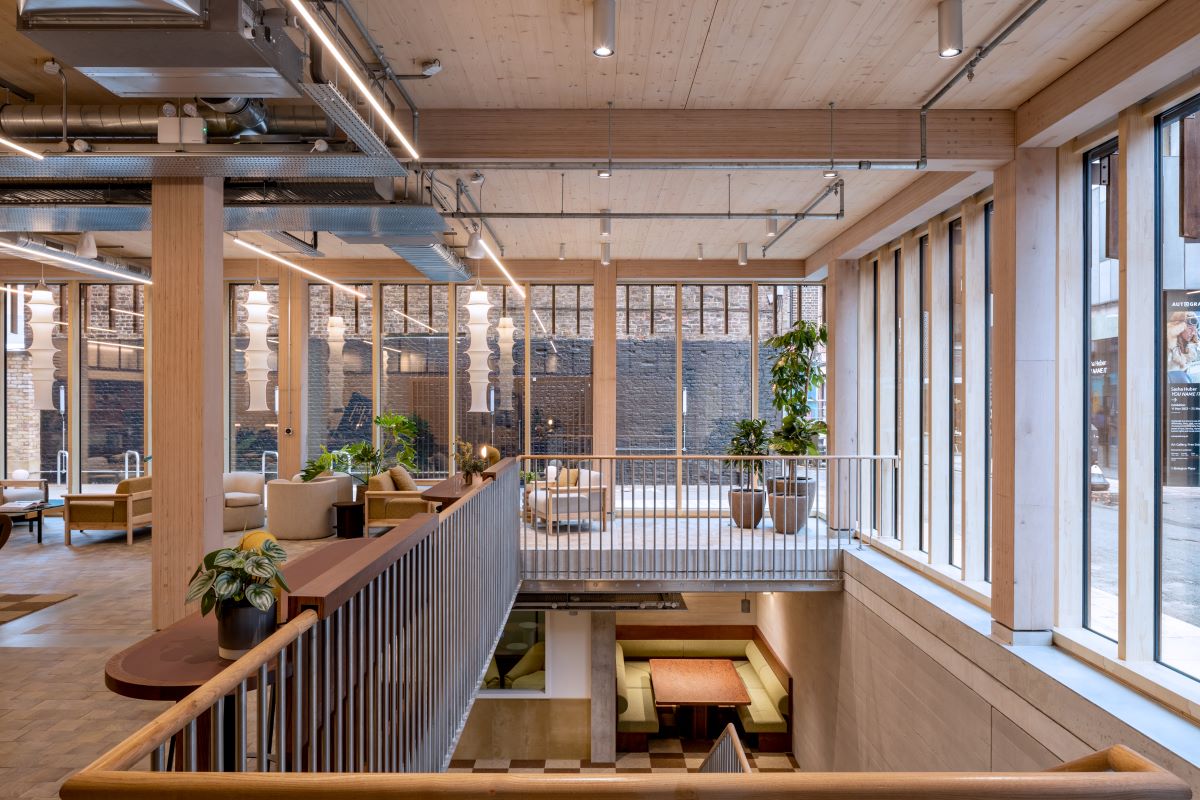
{"x": 732, "y": 53}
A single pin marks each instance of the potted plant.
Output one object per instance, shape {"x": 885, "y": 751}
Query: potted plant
{"x": 361, "y": 460}
{"x": 746, "y": 504}
{"x": 795, "y": 375}
{"x": 240, "y": 586}
{"x": 469, "y": 463}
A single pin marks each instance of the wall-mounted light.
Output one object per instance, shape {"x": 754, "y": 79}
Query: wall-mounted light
{"x": 478, "y": 307}
{"x": 604, "y": 28}
{"x": 257, "y": 353}
{"x": 950, "y": 29}
{"x": 772, "y": 223}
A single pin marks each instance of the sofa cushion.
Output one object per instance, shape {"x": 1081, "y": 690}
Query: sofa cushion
{"x": 533, "y": 661}
{"x": 13, "y": 494}
{"x": 242, "y": 500}
{"x": 402, "y": 480}
{"x": 401, "y": 508}
{"x": 381, "y": 483}
{"x": 491, "y": 678}
{"x": 567, "y": 477}
{"x": 773, "y": 686}
{"x": 761, "y": 716}
{"x": 95, "y": 511}
{"x": 533, "y": 682}
{"x": 685, "y": 648}
{"x": 640, "y": 715}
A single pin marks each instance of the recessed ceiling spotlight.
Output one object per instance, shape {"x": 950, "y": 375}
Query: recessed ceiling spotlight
{"x": 604, "y": 28}
{"x": 950, "y": 29}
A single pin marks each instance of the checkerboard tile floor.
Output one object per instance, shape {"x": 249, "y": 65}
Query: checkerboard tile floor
{"x": 15, "y": 606}
{"x": 665, "y": 756}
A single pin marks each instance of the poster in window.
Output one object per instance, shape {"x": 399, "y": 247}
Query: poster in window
{"x": 1182, "y": 391}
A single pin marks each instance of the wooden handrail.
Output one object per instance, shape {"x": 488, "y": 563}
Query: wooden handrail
{"x": 710, "y": 457}
{"x": 1152, "y": 784}
{"x": 330, "y": 591}
{"x": 142, "y": 743}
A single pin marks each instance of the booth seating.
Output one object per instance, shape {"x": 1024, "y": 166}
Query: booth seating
{"x": 637, "y": 717}
{"x": 530, "y": 672}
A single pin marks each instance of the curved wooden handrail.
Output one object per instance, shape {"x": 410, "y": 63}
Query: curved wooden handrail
{"x": 1154, "y": 784}
{"x": 142, "y": 743}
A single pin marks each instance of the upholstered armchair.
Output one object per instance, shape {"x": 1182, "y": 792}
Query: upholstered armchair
{"x": 129, "y": 506}
{"x": 574, "y": 496}
{"x": 14, "y": 490}
{"x": 393, "y": 496}
{"x": 299, "y": 510}
{"x": 243, "y": 500}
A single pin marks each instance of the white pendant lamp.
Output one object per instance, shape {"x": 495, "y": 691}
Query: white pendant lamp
{"x": 605, "y": 253}
{"x": 479, "y": 352}
{"x": 337, "y": 376}
{"x": 743, "y": 253}
{"x": 504, "y": 332}
{"x": 475, "y": 246}
{"x": 257, "y": 353}
{"x": 41, "y": 348}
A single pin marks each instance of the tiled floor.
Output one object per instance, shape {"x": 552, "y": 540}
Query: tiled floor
{"x": 665, "y": 756}
{"x": 56, "y": 715}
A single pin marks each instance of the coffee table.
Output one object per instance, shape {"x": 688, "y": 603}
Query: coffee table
{"x": 698, "y": 683}
{"x": 32, "y": 514}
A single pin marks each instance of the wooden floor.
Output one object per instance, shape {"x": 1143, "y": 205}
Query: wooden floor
{"x": 56, "y": 715}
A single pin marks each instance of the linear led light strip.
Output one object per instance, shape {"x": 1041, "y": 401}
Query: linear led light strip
{"x": 9, "y": 143}
{"x": 513, "y": 281}
{"x": 38, "y": 255}
{"x": 298, "y": 268}
{"x": 351, "y": 73}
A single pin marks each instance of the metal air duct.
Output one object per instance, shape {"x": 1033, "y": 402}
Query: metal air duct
{"x": 140, "y": 121}
{"x": 33, "y": 246}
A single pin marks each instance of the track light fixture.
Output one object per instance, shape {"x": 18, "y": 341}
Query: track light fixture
{"x": 831, "y": 172}
{"x": 772, "y": 223}
{"x": 606, "y": 224}
{"x": 605, "y": 253}
{"x": 950, "y": 29}
{"x": 604, "y": 28}
{"x": 743, "y": 254}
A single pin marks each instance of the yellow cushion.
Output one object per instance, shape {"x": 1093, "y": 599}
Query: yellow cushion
{"x": 402, "y": 479}
{"x": 533, "y": 682}
{"x": 533, "y": 661}
{"x": 380, "y": 483}
{"x": 133, "y": 485}
{"x": 491, "y": 454}
{"x": 254, "y": 540}
{"x": 491, "y": 678}
{"x": 774, "y": 688}
{"x": 568, "y": 477}
{"x": 95, "y": 511}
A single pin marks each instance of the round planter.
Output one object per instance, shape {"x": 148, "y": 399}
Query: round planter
{"x": 790, "y": 500}
{"x": 746, "y": 507}
{"x": 241, "y": 627}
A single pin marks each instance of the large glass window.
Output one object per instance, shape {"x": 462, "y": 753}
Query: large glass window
{"x": 253, "y": 435}
{"x": 504, "y": 428}
{"x": 340, "y": 410}
{"x": 36, "y": 435}
{"x": 1179, "y": 275}
{"x": 519, "y": 661}
{"x": 646, "y": 370}
{"x": 414, "y": 367}
{"x": 716, "y": 365}
{"x": 987, "y": 475}
{"x": 1102, "y": 431}
{"x": 958, "y": 389}
{"x": 887, "y": 354}
{"x": 561, "y": 334}
{"x": 112, "y": 398}
{"x": 779, "y": 306}
{"x": 924, "y": 267}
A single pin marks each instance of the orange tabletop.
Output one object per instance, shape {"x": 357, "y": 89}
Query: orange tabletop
{"x": 697, "y": 682}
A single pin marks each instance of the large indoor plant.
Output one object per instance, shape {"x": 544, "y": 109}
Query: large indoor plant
{"x": 795, "y": 376}
{"x": 746, "y": 502}
{"x": 361, "y": 460}
{"x": 240, "y": 585}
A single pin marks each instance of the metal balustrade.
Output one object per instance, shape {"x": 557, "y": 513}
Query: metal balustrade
{"x": 684, "y": 520}
{"x": 727, "y": 754}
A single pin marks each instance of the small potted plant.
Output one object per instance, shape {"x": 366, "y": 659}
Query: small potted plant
{"x": 240, "y": 585}
{"x": 469, "y": 463}
{"x": 795, "y": 374}
{"x": 746, "y": 503}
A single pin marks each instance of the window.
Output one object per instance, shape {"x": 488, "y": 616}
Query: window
{"x": 779, "y": 307}
{"x": 561, "y": 334}
{"x": 414, "y": 368}
{"x": 1102, "y": 417}
{"x": 987, "y": 475}
{"x": 112, "y": 397}
{"x": 1179, "y": 420}
{"x": 36, "y": 415}
{"x": 504, "y": 428}
{"x": 887, "y": 355}
{"x": 924, "y": 266}
{"x": 253, "y": 435}
{"x": 716, "y": 365}
{"x": 340, "y": 385}
{"x": 958, "y": 389}
{"x": 519, "y": 661}
{"x": 646, "y": 370}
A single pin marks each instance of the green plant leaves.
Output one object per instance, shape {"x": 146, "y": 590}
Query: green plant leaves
{"x": 274, "y": 551}
{"x": 227, "y": 585}
{"x": 201, "y": 583}
{"x": 260, "y": 566}
{"x": 260, "y": 596}
{"x": 228, "y": 574}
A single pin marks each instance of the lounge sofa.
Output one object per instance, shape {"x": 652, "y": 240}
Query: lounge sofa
{"x": 392, "y": 497}
{"x": 243, "y": 500}
{"x": 637, "y": 716}
{"x": 129, "y": 506}
{"x": 530, "y": 672}
{"x": 571, "y": 497}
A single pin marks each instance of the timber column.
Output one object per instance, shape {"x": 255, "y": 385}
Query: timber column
{"x": 186, "y": 335}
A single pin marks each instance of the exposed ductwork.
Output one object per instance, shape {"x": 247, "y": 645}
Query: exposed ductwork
{"x": 140, "y": 121}
{"x": 248, "y": 112}
{"x": 29, "y": 246}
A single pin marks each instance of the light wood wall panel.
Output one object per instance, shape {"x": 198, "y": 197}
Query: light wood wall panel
{"x": 501, "y": 727}
{"x": 604, "y": 361}
{"x": 975, "y": 392}
{"x": 940, "y": 437}
{"x": 187, "y": 440}
{"x": 910, "y": 393}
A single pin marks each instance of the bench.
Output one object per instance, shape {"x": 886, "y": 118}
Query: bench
{"x": 637, "y": 717}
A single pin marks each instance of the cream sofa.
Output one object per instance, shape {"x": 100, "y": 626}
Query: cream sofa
{"x": 129, "y": 506}
{"x": 299, "y": 510}
{"x": 344, "y": 482}
{"x": 530, "y": 672}
{"x": 244, "y": 507}
{"x": 573, "y": 496}
{"x": 636, "y": 715}
{"x": 14, "y": 490}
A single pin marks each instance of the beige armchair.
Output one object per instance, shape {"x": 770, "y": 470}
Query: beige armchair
{"x": 575, "y": 496}
{"x": 344, "y": 482}
{"x": 393, "y": 496}
{"x": 299, "y": 510}
{"x": 129, "y": 506}
{"x": 243, "y": 500}
{"x": 13, "y": 490}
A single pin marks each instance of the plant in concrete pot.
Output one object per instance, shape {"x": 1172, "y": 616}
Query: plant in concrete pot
{"x": 240, "y": 586}
{"x": 795, "y": 376}
{"x": 746, "y": 503}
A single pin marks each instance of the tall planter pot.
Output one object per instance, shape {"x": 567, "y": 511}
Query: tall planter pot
{"x": 241, "y": 627}
{"x": 790, "y": 501}
{"x": 746, "y": 507}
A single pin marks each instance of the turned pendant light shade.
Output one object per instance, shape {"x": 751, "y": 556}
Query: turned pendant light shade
{"x": 257, "y": 353}
{"x": 41, "y": 348}
{"x": 504, "y": 332}
{"x": 479, "y": 353}
{"x": 337, "y": 376}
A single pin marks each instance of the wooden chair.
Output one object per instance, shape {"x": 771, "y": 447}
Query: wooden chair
{"x": 129, "y": 507}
